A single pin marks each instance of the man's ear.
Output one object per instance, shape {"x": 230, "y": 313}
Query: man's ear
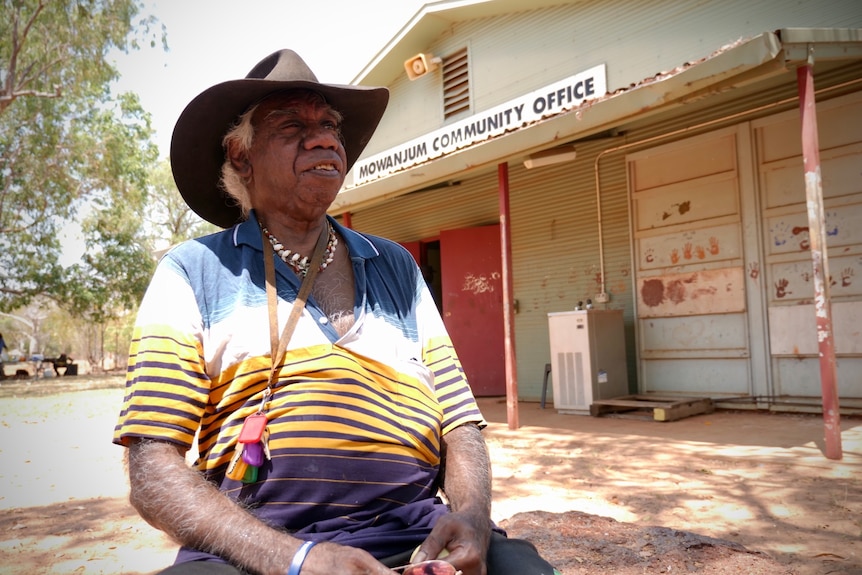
{"x": 239, "y": 160}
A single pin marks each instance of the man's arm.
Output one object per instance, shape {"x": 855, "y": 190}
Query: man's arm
{"x": 178, "y": 500}
{"x": 465, "y": 532}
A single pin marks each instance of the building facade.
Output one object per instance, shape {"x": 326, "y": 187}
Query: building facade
{"x": 643, "y": 156}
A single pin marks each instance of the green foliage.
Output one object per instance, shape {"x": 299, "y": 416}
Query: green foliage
{"x": 68, "y": 144}
{"x": 58, "y": 332}
{"x": 168, "y": 219}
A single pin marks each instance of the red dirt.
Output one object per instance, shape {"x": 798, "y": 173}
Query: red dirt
{"x": 731, "y": 492}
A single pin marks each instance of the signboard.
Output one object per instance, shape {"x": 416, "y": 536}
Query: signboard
{"x": 550, "y": 100}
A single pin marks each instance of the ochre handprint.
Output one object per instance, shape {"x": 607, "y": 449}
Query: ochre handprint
{"x": 713, "y": 246}
{"x": 686, "y": 251}
{"x": 781, "y": 288}
{"x": 754, "y": 270}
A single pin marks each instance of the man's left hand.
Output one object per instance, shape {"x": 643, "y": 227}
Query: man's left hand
{"x": 462, "y": 539}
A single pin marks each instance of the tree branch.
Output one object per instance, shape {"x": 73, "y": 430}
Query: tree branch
{"x": 9, "y": 93}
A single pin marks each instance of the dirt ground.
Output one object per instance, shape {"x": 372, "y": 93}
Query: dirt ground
{"x": 729, "y": 492}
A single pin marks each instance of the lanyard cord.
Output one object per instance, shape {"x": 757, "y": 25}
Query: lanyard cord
{"x": 278, "y": 346}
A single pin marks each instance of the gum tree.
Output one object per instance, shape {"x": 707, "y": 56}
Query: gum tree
{"x": 68, "y": 144}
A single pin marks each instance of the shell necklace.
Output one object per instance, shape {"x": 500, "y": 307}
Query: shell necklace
{"x": 300, "y": 263}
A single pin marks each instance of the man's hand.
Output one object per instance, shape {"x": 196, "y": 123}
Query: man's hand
{"x": 465, "y": 533}
{"x": 178, "y": 500}
{"x": 330, "y": 558}
{"x": 465, "y": 543}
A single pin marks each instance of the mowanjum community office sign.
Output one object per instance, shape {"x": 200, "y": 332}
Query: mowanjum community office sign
{"x": 555, "y": 98}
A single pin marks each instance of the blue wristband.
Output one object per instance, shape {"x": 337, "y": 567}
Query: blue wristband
{"x": 299, "y": 558}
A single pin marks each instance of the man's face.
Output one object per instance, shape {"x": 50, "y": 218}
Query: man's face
{"x": 297, "y": 159}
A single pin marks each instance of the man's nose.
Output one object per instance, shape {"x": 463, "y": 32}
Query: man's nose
{"x": 321, "y": 137}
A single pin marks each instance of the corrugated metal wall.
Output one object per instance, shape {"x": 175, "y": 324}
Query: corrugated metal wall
{"x": 421, "y": 215}
{"x": 556, "y": 252}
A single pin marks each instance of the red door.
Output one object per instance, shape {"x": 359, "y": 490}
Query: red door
{"x": 415, "y": 250}
{"x": 471, "y": 269}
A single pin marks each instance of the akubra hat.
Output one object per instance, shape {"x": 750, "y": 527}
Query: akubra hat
{"x": 197, "y": 153}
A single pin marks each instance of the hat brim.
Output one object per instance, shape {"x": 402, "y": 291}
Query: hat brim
{"x": 197, "y": 153}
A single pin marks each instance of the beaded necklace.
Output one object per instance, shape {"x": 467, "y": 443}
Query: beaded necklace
{"x": 299, "y": 263}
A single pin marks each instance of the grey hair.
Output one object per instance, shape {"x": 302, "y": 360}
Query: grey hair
{"x": 240, "y": 133}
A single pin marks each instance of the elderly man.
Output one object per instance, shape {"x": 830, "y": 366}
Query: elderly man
{"x": 306, "y": 362}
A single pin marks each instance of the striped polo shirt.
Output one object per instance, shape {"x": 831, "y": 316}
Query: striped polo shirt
{"x": 354, "y": 421}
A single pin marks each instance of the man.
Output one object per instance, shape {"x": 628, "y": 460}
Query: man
{"x": 3, "y": 348}
{"x": 340, "y": 441}
{"x": 63, "y": 361}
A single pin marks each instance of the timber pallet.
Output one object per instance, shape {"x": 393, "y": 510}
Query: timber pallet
{"x": 663, "y": 408}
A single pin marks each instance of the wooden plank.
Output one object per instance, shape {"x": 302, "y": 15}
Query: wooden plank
{"x": 683, "y": 410}
{"x": 663, "y": 408}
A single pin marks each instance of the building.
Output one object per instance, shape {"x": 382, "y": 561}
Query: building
{"x": 644, "y": 155}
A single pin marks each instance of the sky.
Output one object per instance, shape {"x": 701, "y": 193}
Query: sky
{"x": 211, "y": 41}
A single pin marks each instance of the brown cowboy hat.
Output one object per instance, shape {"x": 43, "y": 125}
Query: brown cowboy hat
{"x": 197, "y": 153}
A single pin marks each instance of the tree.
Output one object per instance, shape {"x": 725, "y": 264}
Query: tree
{"x": 168, "y": 219}
{"x": 67, "y": 142}
{"x": 36, "y": 328}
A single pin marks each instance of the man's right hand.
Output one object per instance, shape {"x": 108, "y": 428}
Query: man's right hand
{"x": 177, "y": 499}
{"x": 334, "y": 559}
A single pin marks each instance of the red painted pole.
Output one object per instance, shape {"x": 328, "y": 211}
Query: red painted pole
{"x": 347, "y": 220}
{"x": 508, "y": 300}
{"x": 819, "y": 258}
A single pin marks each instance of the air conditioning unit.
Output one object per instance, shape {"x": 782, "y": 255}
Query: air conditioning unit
{"x": 588, "y": 358}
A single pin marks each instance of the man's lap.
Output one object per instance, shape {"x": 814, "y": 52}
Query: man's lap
{"x": 505, "y": 557}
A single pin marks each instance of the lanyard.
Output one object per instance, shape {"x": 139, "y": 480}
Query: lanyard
{"x": 278, "y": 346}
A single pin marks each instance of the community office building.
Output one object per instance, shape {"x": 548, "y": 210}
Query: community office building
{"x": 645, "y": 157}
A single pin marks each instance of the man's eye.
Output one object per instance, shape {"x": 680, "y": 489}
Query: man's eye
{"x": 290, "y": 125}
{"x": 335, "y": 128}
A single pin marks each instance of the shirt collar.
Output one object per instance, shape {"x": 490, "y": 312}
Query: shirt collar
{"x": 248, "y": 232}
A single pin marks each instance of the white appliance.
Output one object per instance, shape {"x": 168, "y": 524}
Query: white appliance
{"x": 588, "y": 358}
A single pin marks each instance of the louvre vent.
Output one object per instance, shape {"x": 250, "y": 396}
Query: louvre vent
{"x": 572, "y": 379}
{"x": 456, "y": 84}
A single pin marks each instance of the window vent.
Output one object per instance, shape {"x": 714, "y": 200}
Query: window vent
{"x": 456, "y": 84}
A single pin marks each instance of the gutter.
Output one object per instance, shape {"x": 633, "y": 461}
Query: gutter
{"x": 829, "y": 43}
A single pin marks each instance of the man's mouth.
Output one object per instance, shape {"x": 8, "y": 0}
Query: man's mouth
{"x": 326, "y": 167}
